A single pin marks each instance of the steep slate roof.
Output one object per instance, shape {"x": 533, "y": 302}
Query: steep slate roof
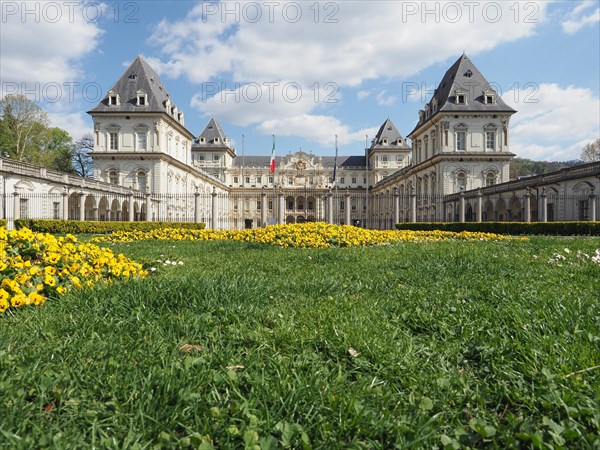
{"x": 139, "y": 76}
{"x": 264, "y": 161}
{"x": 211, "y": 131}
{"x": 390, "y": 133}
{"x": 464, "y": 75}
{"x": 344, "y": 161}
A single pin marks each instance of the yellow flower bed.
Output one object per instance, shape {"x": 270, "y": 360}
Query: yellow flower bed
{"x": 37, "y": 266}
{"x": 308, "y": 235}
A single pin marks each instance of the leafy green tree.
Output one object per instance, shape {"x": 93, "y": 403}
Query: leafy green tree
{"x": 591, "y": 151}
{"x": 22, "y": 123}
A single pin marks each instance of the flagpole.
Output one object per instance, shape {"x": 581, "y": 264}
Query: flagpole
{"x": 367, "y": 184}
{"x": 272, "y": 171}
{"x": 335, "y": 175}
{"x": 243, "y": 208}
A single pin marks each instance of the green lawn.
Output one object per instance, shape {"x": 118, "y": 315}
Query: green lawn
{"x": 443, "y": 344}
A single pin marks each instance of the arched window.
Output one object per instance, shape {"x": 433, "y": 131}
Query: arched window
{"x": 113, "y": 177}
{"x": 142, "y": 180}
{"x": 461, "y": 181}
{"x": 490, "y": 179}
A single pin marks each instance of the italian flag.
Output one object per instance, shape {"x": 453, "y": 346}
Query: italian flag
{"x": 272, "y": 165}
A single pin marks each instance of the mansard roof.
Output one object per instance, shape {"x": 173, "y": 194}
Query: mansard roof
{"x": 139, "y": 77}
{"x": 465, "y": 78}
{"x": 388, "y": 135}
{"x": 213, "y": 135}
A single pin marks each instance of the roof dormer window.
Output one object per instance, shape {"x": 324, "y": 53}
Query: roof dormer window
{"x": 216, "y": 140}
{"x": 385, "y": 142}
{"x": 133, "y": 76}
{"x": 180, "y": 118}
{"x": 142, "y": 98}
{"x": 489, "y": 97}
{"x": 202, "y": 140}
{"x": 468, "y": 73}
{"x": 113, "y": 98}
{"x": 460, "y": 97}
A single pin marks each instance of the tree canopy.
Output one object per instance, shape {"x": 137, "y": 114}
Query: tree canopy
{"x": 26, "y": 135}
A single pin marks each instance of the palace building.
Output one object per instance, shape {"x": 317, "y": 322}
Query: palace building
{"x": 149, "y": 166}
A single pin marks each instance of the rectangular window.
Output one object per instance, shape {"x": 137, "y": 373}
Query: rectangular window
{"x": 342, "y": 180}
{"x": 342, "y": 202}
{"x": 258, "y": 204}
{"x": 247, "y": 180}
{"x": 271, "y": 180}
{"x": 489, "y": 99}
{"x": 460, "y": 99}
{"x": 290, "y": 180}
{"x": 399, "y": 158}
{"x": 56, "y": 210}
{"x": 114, "y": 141}
{"x": 583, "y": 209}
{"x": 490, "y": 140}
{"x": 236, "y": 180}
{"x": 201, "y": 157}
{"x": 384, "y": 159}
{"x": 290, "y": 205}
{"x": 353, "y": 180}
{"x": 24, "y": 208}
{"x": 258, "y": 180}
{"x": 461, "y": 137}
{"x": 311, "y": 205}
{"x": 215, "y": 157}
{"x": 365, "y": 180}
{"x": 141, "y": 141}
{"x": 271, "y": 204}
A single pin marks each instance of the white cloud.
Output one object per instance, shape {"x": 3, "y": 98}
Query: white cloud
{"x": 361, "y": 95}
{"x": 550, "y": 118}
{"x": 394, "y": 40}
{"x": 578, "y": 22}
{"x": 315, "y": 128}
{"x": 217, "y": 41}
{"x": 43, "y": 42}
{"x": 252, "y": 103}
{"x": 383, "y": 100}
{"x": 77, "y": 124}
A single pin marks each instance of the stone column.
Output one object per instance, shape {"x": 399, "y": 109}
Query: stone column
{"x": 528, "y": 205}
{"x": 149, "y": 207}
{"x": 396, "y": 207}
{"x": 544, "y": 211}
{"x": 16, "y": 205}
{"x": 413, "y": 204}
{"x": 592, "y": 207}
{"x": 95, "y": 214}
{"x": 461, "y": 208}
{"x": 65, "y": 200}
{"x": 347, "y": 208}
{"x": 479, "y": 208}
{"x": 130, "y": 197}
{"x": 82, "y": 206}
{"x": 263, "y": 208}
{"x": 214, "y": 209}
{"x": 329, "y": 207}
{"x": 196, "y": 206}
{"x": 281, "y": 206}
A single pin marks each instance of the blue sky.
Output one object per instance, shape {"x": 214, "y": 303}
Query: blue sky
{"x": 306, "y": 70}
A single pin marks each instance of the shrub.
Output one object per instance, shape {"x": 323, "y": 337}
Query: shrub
{"x": 533, "y": 228}
{"x": 79, "y": 227}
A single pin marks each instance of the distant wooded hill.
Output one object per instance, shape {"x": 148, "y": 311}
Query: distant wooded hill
{"x": 522, "y": 167}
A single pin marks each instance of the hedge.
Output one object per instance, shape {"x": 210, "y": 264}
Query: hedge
{"x": 83, "y": 227}
{"x": 514, "y": 228}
